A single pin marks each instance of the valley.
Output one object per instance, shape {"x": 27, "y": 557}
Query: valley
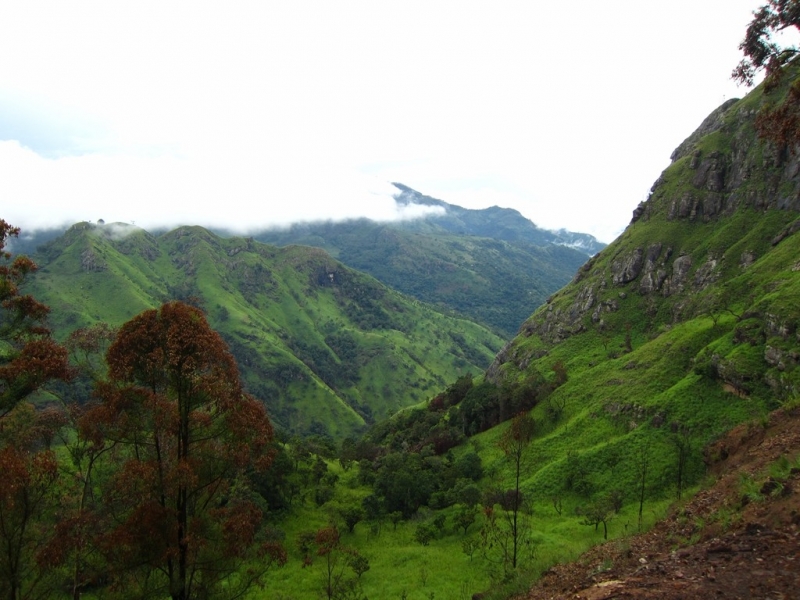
{"x": 461, "y": 406}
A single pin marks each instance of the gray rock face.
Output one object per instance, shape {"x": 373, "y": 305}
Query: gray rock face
{"x": 682, "y": 207}
{"x": 706, "y": 274}
{"x": 653, "y": 252}
{"x": 680, "y": 272}
{"x": 652, "y": 281}
{"x": 638, "y": 212}
{"x": 747, "y": 259}
{"x": 790, "y": 229}
{"x": 583, "y": 302}
{"x": 774, "y": 357}
{"x": 718, "y": 176}
{"x": 710, "y": 173}
{"x": 652, "y": 277}
{"x": 627, "y": 268}
{"x": 91, "y": 262}
{"x": 775, "y": 326}
{"x": 607, "y": 306}
{"x": 692, "y": 207}
{"x": 710, "y": 124}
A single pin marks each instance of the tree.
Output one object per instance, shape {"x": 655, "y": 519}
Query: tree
{"x": 642, "y": 458}
{"x": 180, "y": 521}
{"x": 29, "y": 358}
{"x": 512, "y": 535}
{"x": 778, "y": 122}
{"x": 682, "y": 439}
{"x": 352, "y": 516}
{"x": 335, "y": 584}
{"x": 358, "y": 563}
{"x": 465, "y": 517}
{"x": 559, "y": 373}
{"x": 424, "y": 533}
{"x": 27, "y": 494}
{"x": 601, "y": 510}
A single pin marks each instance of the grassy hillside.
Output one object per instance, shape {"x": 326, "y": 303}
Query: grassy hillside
{"x": 327, "y": 348}
{"x": 492, "y": 265}
{"x": 684, "y": 327}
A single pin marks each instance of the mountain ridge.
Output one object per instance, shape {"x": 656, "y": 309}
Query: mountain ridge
{"x": 326, "y": 347}
{"x": 496, "y": 222}
{"x": 492, "y": 265}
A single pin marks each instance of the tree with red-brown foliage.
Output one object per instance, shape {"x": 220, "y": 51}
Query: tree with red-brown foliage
{"x": 177, "y": 517}
{"x": 29, "y": 358}
{"x": 336, "y": 585}
{"x": 778, "y": 122}
{"x": 70, "y": 547}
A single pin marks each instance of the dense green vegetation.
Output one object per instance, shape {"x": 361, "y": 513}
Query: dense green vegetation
{"x": 329, "y": 349}
{"x": 492, "y": 265}
{"x": 683, "y": 327}
{"x": 586, "y": 426}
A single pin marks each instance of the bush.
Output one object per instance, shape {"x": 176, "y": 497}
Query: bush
{"x": 424, "y": 533}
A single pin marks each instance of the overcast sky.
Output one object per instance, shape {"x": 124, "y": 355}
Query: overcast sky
{"x": 246, "y": 114}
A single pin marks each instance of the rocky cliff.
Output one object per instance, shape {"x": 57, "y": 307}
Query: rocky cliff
{"x": 716, "y": 239}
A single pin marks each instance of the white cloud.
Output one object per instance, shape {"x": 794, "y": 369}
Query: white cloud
{"x": 261, "y": 112}
{"x": 158, "y": 191}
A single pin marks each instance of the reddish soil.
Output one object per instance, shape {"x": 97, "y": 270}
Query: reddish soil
{"x": 740, "y": 538}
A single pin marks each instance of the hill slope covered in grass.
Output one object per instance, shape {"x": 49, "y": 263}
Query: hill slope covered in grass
{"x": 683, "y": 328}
{"x": 493, "y": 265}
{"x": 328, "y": 349}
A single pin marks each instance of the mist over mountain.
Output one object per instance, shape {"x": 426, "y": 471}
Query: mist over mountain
{"x": 495, "y": 222}
{"x": 492, "y": 264}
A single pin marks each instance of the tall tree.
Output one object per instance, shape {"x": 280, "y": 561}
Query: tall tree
{"x": 29, "y": 358}
{"x": 509, "y": 539}
{"x": 27, "y": 495}
{"x": 641, "y": 457}
{"x": 179, "y": 518}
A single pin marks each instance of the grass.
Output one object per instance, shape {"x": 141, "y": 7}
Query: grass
{"x": 399, "y": 565}
{"x": 276, "y": 308}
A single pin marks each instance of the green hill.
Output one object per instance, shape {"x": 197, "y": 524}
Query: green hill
{"x": 492, "y": 265}
{"x": 685, "y": 326}
{"x": 328, "y": 349}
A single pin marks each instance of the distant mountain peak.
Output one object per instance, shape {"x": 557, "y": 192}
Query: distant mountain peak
{"x": 498, "y": 222}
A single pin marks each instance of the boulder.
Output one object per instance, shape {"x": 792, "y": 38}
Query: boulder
{"x": 627, "y": 269}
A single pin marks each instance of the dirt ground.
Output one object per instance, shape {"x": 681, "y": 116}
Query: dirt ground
{"x": 739, "y": 539}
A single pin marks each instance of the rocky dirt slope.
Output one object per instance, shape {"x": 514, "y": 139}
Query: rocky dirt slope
{"x": 739, "y": 538}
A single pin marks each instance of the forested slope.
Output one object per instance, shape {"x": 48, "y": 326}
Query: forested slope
{"x": 327, "y": 348}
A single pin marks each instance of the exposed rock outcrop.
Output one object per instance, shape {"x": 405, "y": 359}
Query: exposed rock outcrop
{"x": 90, "y": 261}
{"x": 676, "y": 282}
{"x": 627, "y": 268}
{"x": 710, "y": 124}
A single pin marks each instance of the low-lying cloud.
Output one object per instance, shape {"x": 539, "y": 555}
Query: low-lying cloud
{"x": 239, "y": 194}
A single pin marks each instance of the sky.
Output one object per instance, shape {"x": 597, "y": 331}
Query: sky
{"x": 251, "y": 114}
